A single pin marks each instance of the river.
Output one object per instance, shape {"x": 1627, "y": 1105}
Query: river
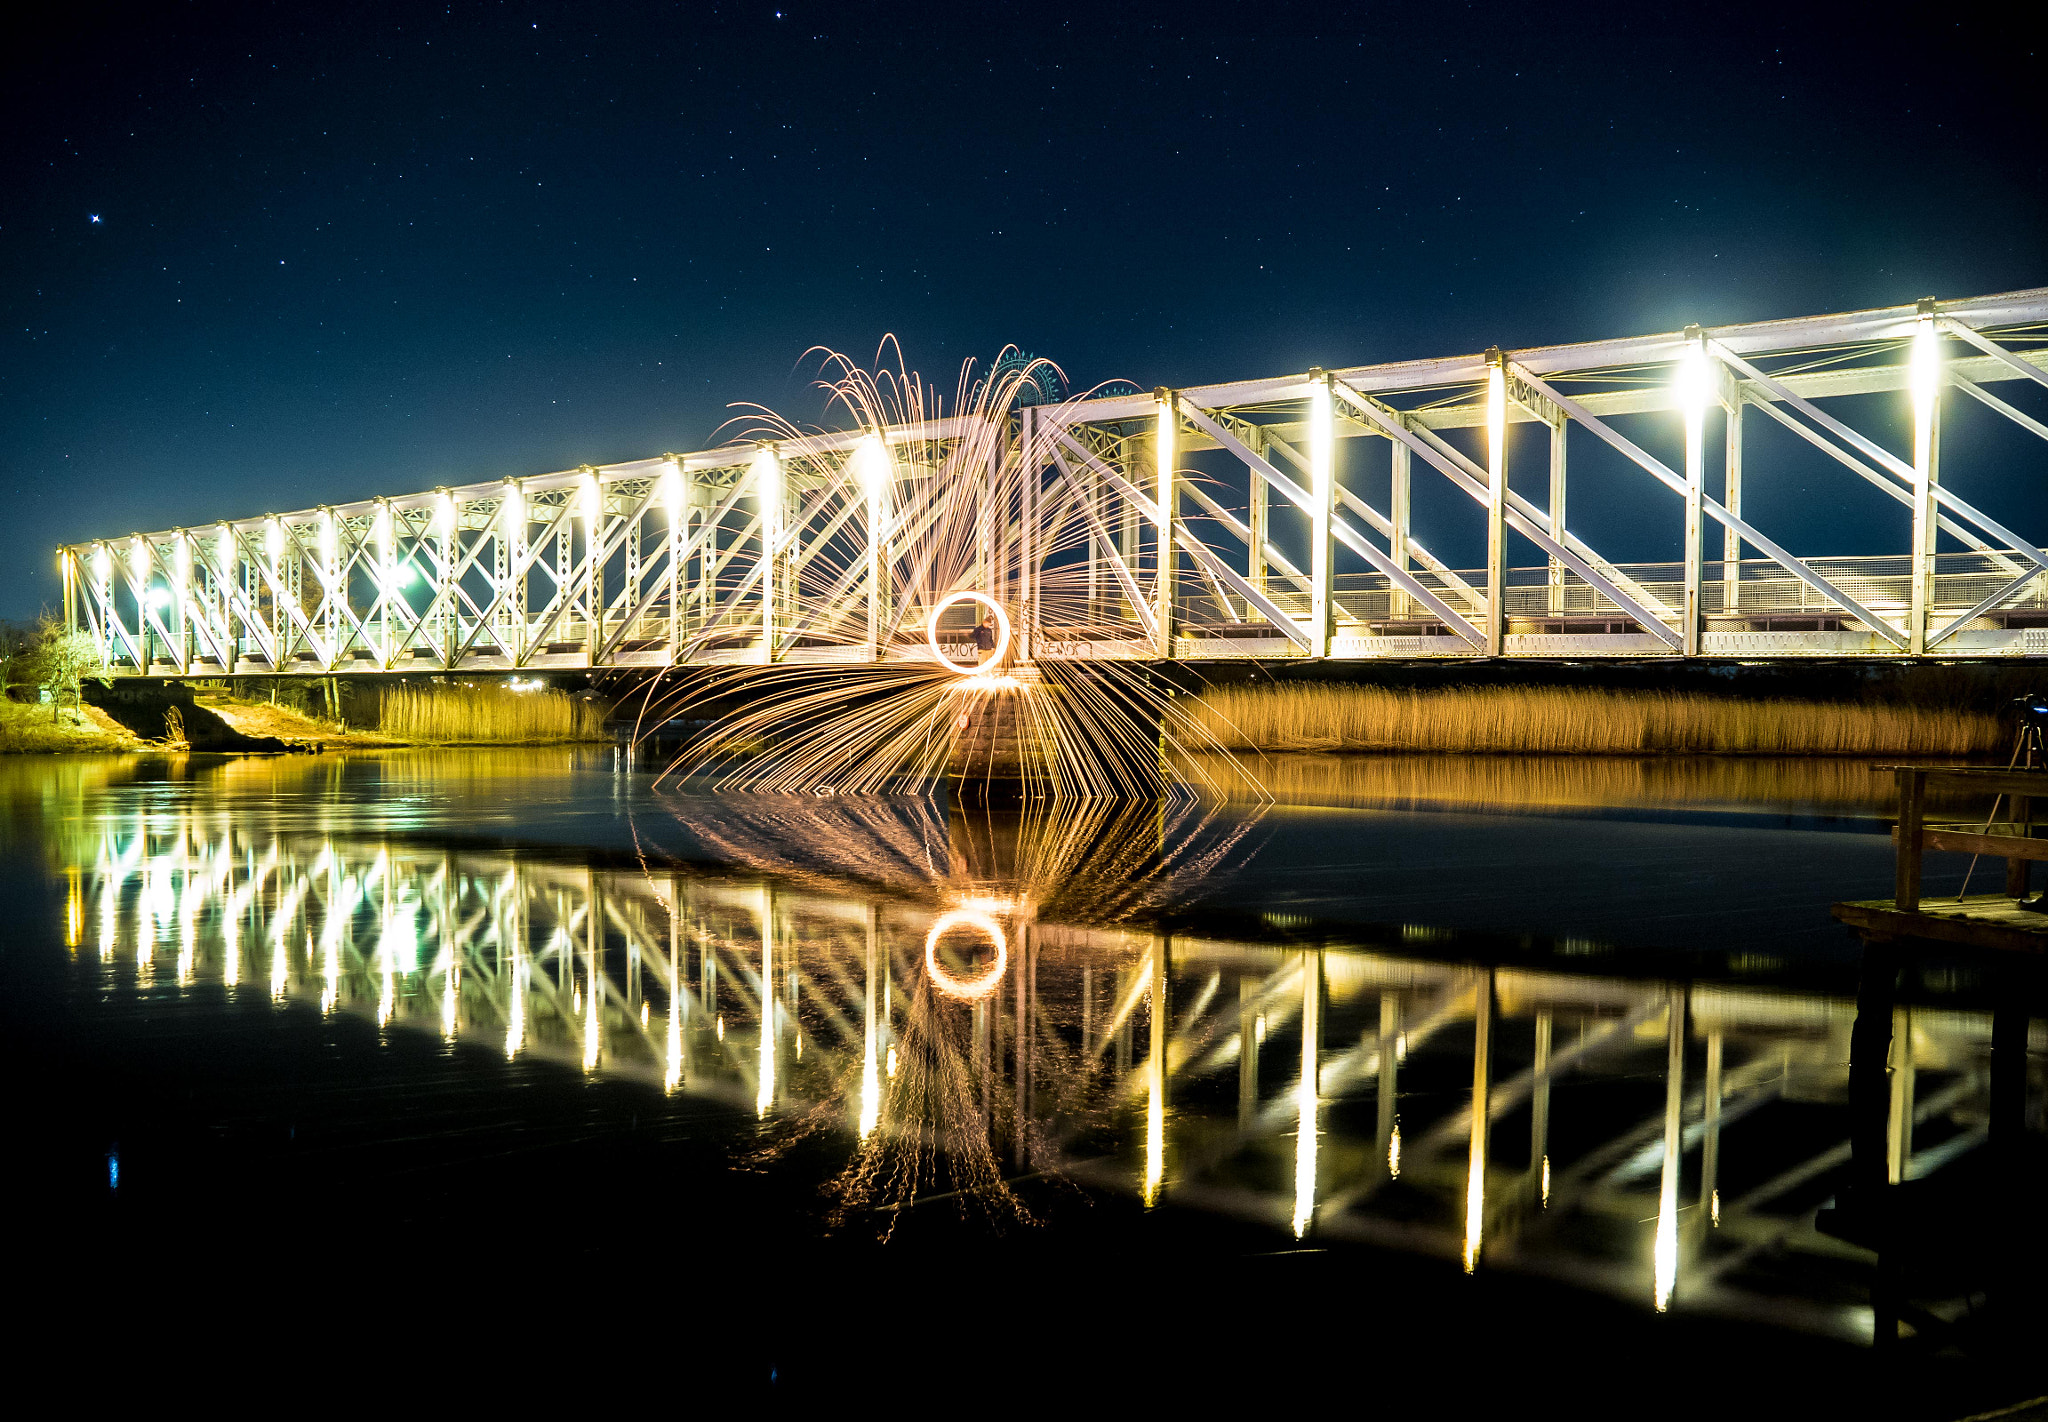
{"x": 1397, "y": 1055}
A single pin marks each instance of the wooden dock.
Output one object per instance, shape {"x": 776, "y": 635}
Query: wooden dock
{"x": 1989, "y": 920}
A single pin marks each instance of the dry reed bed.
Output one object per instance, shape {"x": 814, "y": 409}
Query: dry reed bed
{"x": 488, "y": 713}
{"x": 1493, "y": 720}
{"x": 1839, "y": 785}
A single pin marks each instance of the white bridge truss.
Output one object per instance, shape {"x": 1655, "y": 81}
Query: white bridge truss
{"x": 1286, "y": 506}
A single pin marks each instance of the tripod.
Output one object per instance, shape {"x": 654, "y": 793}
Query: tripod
{"x": 2029, "y": 752}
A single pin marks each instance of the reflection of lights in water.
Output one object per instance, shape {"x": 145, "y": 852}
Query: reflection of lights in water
{"x": 74, "y": 910}
{"x": 1155, "y": 1138}
{"x": 643, "y": 1011}
{"x": 1394, "y": 1152}
{"x": 1546, "y": 1182}
{"x": 672, "y": 1064}
{"x": 110, "y": 916}
{"x": 515, "y": 1014}
{"x": 870, "y": 1097}
{"x": 1259, "y": 1031}
{"x": 330, "y": 972}
{"x": 593, "y": 1022}
{"x": 1475, "y": 1211}
{"x": 1667, "y": 1251}
{"x": 451, "y": 993}
{"x": 764, "y": 1095}
{"x": 1305, "y": 1097}
{"x": 966, "y": 989}
{"x": 1714, "y": 1204}
{"x": 1401, "y": 1048}
{"x": 892, "y": 1060}
{"x": 721, "y": 1026}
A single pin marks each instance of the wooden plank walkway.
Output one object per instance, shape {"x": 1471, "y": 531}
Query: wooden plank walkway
{"x": 1994, "y": 921}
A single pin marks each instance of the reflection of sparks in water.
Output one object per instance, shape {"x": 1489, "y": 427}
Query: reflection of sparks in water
{"x": 957, "y": 520}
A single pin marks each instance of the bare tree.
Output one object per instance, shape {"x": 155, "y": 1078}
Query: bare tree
{"x": 20, "y": 646}
{"x": 66, "y": 659}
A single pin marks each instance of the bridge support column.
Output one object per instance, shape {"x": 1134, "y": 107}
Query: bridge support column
{"x": 1926, "y": 383}
{"x": 1496, "y": 504}
{"x": 1731, "y": 496}
{"x": 1557, "y": 508}
{"x": 1029, "y": 471}
{"x": 768, "y": 495}
{"x": 1398, "y": 601}
{"x": 1165, "y": 456}
{"x": 1694, "y": 377}
{"x": 1322, "y": 464}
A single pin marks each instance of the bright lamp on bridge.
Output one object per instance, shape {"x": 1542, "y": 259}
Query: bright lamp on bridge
{"x": 1926, "y": 375}
{"x": 871, "y": 462}
{"x": 767, "y": 473}
{"x": 1695, "y": 381}
{"x": 159, "y": 599}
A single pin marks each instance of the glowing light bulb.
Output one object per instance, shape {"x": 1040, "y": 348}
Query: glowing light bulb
{"x": 1926, "y": 373}
{"x": 871, "y": 463}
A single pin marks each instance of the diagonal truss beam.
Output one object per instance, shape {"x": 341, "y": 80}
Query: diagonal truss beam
{"x": 1715, "y": 509}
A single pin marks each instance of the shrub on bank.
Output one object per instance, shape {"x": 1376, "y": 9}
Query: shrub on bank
{"x": 488, "y": 713}
{"x": 1536, "y": 720}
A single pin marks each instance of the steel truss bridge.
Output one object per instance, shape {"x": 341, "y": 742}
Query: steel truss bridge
{"x": 1271, "y": 518}
{"x": 1664, "y": 1142}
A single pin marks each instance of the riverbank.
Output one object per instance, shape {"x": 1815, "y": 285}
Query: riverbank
{"x": 30, "y": 730}
{"x": 1526, "y": 720}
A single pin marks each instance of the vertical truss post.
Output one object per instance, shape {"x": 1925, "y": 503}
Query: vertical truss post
{"x": 67, "y": 564}
{"x": 871, "y": 465}
{"x": 1165, "y": 455}
{"x": 510, "y": 554}
{"x": 768, "y": 498}
{"x": 1322, "y": 468}
{"x": 1029, "y": 468}
{"x": 675, "y": 508}
{"x": 1558, "y": 428}
{"x": 1096, "y": 509}
{"x": 1399, "y": 516}
{"x": 330, "y": 579}
{"x": 181, "y": 599}
{"x": 1259, "y": 498}
{"x": 227, "y": 569}
{"x": 445, "y": 516}
{"x": 1732, "y": 405}
{"x": 1496, "y": 503}
{"x": 590, "y": 507}
{"x": 1927, "y": 379}
{"x": 985, "y": 521}
{"x": 1696, "y": 388}
{"x": 384, "y": 533}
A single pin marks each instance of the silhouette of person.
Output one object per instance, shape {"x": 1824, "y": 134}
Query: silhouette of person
{"x": 985, "y": 634}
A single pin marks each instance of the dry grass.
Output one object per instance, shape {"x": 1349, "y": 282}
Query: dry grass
{"x": 28, "y": 730}
{"x": 1527, "y": 720}
{"x": 488, "y": 713}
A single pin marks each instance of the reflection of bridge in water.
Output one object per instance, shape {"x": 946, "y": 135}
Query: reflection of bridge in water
{"x": 1669, "y": 1143}
{"x": 1278, "y": 518}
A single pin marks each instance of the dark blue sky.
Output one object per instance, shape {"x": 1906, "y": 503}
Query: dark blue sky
{"x": 259, "y": 257}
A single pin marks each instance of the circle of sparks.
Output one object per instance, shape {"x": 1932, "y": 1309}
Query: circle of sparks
{"x": 1002, "y": 647}
{"x": 966, "y": 989}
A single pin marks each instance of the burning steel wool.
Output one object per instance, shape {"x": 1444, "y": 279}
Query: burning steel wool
{"x": 937, "y": 548}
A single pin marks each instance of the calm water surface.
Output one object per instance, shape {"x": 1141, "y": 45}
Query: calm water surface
{"x": 1396, "y": 1058}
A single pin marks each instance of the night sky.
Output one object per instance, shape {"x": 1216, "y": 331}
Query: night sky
{"x": 255, "y": 258}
